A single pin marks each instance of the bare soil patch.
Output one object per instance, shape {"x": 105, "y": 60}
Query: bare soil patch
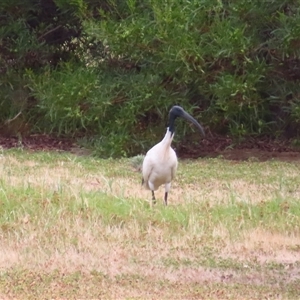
{"x": 261, "y": 149}
{"x": 38, "y": 142}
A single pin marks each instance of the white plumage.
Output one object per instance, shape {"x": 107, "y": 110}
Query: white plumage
{"x": 160, "y": 163}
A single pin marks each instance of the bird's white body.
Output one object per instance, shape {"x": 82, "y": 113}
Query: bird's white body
{"x": 160, "y": 164}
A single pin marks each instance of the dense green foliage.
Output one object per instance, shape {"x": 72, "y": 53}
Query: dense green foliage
{"x": 110, "y": 70}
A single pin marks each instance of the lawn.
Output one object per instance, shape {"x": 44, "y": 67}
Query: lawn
{"x": 81, "y": 227}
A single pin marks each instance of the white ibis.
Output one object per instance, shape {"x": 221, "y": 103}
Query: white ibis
{"x": 160, "y": 163}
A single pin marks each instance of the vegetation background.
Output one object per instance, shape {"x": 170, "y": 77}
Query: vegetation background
{"x": 107, "y": 72}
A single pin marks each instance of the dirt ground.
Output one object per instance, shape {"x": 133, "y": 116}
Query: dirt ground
{"x": 260, "y": 149}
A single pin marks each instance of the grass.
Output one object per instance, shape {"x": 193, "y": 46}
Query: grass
{"x": 80, "y": 227}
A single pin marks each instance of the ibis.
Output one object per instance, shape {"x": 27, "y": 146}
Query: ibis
{"x": 160, "y": 163}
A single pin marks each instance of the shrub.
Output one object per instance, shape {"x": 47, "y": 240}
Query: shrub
{"x": 110, "y": 71}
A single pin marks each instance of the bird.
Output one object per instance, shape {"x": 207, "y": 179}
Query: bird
{"x": 160, "y": 162}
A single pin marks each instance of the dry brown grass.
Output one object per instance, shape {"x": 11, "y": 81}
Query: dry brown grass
{"x": 265, "y": 247}
{"x": 141, "y": 246}
{"x": 215, "y": 190}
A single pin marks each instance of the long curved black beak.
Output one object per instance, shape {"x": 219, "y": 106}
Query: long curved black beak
{"x": 188, "y": 117}
{"x": 178, "y": 111}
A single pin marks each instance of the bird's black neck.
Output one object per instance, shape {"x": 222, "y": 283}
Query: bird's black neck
{"x": 171, "y": 124}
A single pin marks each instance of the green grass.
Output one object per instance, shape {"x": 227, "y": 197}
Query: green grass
{"x": 83, "y": 227}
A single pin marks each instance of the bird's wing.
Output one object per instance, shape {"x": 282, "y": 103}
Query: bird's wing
{"x": 173, "y": 170}
{"x": 147, "y": 169}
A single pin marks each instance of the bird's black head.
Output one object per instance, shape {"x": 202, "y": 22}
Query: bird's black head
{"x": 177, "y": 111}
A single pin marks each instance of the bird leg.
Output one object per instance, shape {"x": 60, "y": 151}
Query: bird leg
{"x": 153, "y": 197}
{"x": 166, "y": 198}
{"x": 167, "y": 188}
